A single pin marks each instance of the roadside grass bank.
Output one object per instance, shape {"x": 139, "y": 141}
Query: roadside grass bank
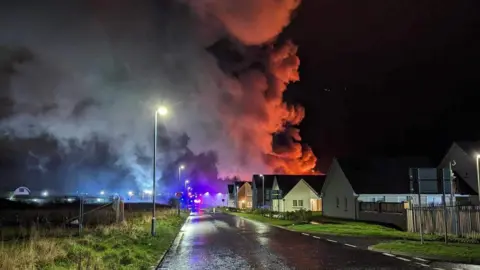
{"x": 455, "y": 252}
{"x": 330, "y": 226}
{"x": 122, "y": 246}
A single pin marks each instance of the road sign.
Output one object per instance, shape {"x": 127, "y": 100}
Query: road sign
{"x": 178, "y": 194}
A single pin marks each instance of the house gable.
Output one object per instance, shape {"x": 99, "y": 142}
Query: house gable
{"x": 300, "y": 192}
{"x": 337, "y": 194}
{"x": 465, "y": 166}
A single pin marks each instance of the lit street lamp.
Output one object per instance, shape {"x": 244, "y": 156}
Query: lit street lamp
{"x": 162, "y": 111}
{"x": 180, "y": 168}
{"x": 102, "y": 192}
{"x": 45, "y": 193}
{"x": 478, "y": 176}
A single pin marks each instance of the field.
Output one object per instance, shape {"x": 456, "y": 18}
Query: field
{"x": 127, "y": 245}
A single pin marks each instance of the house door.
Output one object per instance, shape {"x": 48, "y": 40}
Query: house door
{"x": 316, "y": 205}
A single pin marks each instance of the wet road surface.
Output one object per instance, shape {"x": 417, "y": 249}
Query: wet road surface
{"x": 221, "y": 241}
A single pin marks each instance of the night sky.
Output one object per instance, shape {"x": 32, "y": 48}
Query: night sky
{"x": 387, "y": 77}
{"x": 376, "y": 77}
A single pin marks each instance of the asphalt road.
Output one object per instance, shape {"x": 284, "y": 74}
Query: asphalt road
{"x": 221, "y": 241}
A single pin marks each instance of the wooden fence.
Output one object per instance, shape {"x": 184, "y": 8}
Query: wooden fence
{"x": 381, "y": 207}
{"x": 462, "y": 221}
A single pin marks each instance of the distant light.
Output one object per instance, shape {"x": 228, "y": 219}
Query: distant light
{"x": 99, "y": 200}
{"x": 197, "y": 201}
{"x": 207, "y": 194}
{"x": 45, "y": 193}
{"x": 35, "y": 200}
{"x": 102, "y": 192}
{"x": 219, "y": 194}
{"x": 130, "y": 193}
{"x": 70, "y": 199}
{"x": 186, "y": 181}
{"x": 146, "y": 191}
{"x": 261, "y": 175}
{"x": 182, "y": 167}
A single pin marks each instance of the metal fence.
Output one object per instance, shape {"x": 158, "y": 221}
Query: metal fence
{"x": 463, "y": 221}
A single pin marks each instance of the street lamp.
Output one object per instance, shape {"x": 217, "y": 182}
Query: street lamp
{"x": 263, "y": 190}
{"x": 162, "y": 111}
{"x": 45, "y": 193}
{"x": 478, "y": 176}
{"x": 102, "y": 192}
{"x": 180, "y": 168}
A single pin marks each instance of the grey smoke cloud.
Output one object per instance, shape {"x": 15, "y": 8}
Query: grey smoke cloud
{"x": 100, "y": 70}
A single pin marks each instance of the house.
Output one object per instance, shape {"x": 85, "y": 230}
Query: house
{"x": 353, "y": 180}
{"x": 240, "y": 195}
{"x": 295, "y": 192}
{"x": 244, "y": 196}
{"x": 462, "y": 156}
{"x": 261, "y": 190}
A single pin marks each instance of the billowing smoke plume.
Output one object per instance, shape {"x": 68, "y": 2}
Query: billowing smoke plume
{"x": 99, "y": 69}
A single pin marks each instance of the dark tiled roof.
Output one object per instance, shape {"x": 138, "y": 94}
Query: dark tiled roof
{"x": 381, "y": 175}
{"x": 315, "y": 181}
{"x": 470, "y": 147}
{"x": 287, "y": 182}
{"x": 257, "y": 180}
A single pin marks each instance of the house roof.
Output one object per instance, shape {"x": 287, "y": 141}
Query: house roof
{"x": 470, "y": 147}
{"x": 257, "y": 180}
{"x": 287, "y": 182}
{"x": 381, "y": 175}
{"x": 315, "y": 181}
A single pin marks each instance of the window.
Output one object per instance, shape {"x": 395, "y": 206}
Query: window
{"x": 346, "y": 204}
{"x": 338, "y": 202}
{"x": 298, "y": 203}
{"x": 267, "y": 194}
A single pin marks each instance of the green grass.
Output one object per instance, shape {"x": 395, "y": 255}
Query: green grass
{"x": 339, "y": 227}
{"x": 125, "y": 246}
{"x": 452, "y": 251}
{"x": 278, "y": 222}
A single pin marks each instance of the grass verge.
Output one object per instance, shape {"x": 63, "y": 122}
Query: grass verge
{"x": 278, "y": 222}
{"x": 123, "y": 246}
{"x": 450, "y": 252}
{"x": 337, "y": 227}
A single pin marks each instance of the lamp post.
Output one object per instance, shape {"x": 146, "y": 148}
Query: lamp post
{"x": 478, "y": 177}
{"x": 180, "y": 168}
{"x": 185, "y": 185}
{"x": 162, "y": 111}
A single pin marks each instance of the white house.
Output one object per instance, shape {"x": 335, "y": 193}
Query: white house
{"x": 353, "y": 180}
{"x": 463, "y": 157}
{"x": 295, "y": 192}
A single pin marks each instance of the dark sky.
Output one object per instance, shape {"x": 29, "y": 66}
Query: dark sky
{"x": 403, "y": 75}
{"x": 386, "y": 77}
